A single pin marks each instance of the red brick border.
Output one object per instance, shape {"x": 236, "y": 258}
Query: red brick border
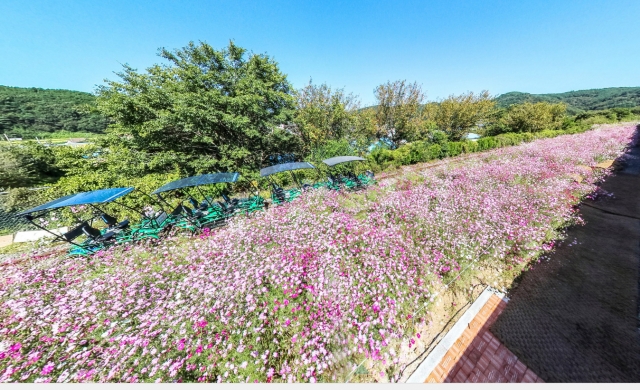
{"x": 479, "y": 357}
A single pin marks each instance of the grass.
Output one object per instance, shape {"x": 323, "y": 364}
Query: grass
{"x": 15, "y": 248}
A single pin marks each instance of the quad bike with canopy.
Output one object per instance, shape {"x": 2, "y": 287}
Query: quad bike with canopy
{"x": 95, "y": 239}
{"x": 207, "y": 211}
{"x": 280, "y": 195}
{"x": 347, "y": 178}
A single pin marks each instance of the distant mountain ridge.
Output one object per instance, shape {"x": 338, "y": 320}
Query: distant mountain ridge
{"x": 32, "y": 111}
{"x": 579, "y": 101}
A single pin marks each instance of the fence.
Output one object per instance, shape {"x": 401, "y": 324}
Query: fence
{"x": 10, "y": 223}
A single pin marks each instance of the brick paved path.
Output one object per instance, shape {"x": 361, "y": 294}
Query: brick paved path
{"x": 478, "y": 356}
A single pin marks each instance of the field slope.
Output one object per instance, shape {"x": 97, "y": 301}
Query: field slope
{"x": 302, "y": 292}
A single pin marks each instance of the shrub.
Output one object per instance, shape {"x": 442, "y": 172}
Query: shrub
{"x": 469, "y": 146}
{"x": 487, "y": 143}
{"x": 435, "y": 151}
{"x": 135, "y": 200}
{"x": 19, "y": 198}
{"x": 452, "y": 149}
{"x": 507, "y": 139}
{"x": 418, "y": 152}
{"x": 381, "y": 155}
{"x": 534, "y": 117}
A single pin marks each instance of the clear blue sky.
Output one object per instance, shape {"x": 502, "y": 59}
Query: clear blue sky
{"x": 448, "y": 46}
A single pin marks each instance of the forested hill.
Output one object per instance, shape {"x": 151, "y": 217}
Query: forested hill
{"x": 578, "y": 101}
{"x": 28, "y": 112}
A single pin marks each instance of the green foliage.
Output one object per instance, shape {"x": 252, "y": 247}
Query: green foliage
{"x": 424, "y": 151}
{"x": 324, "y": 114}
{"x": 207, "y": 110}
{"x": 332, "y": 148}
{"x": 26, "y": 164}
{"x": 15, "y": 171}
{"x": 19, "y": 198}
{"x": 533, "y": 117}
{"x": 398, "y": 111}
{"x": 327, "y": 150}
{"x": 438, "y": 137}
{"x": 607, "y": 116}
{"x": 470, "y": 147}
{"x": 364, "y": 132}
{"x": 452, "y": 149}
{"x": 88, "y": 181}
{"x": 578, "y": 101}
{"x": 31, "y": 112}
{"x": 458, "y": 115}
{"x": 42, "y": 159}
{"x": 418, "y": 151}
{"x": 487, "y": 143}
{"x": 62, "y": 136}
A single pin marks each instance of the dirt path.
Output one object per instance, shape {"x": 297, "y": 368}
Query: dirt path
{"x": 575, "y": 317}
{"x": 430, "y": 164}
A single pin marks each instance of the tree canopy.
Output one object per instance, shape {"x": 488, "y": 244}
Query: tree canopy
{"x": 203, "y": 110}
{"x": 457, "y": 115}
{"x": 534, "y": 117}
{"x": 399, "y": 110}
{"x": 324, "y": 114}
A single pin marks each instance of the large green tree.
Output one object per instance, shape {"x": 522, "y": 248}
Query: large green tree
{"x": 324, "y": 114}
{"x": 458, "y": 114}
{"x": 399, "y": 110}
{"x": 534, "y": 117}
{"x": 203, "y": 110}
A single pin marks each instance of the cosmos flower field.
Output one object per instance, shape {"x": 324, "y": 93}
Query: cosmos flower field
{"x": 300, "y": 292}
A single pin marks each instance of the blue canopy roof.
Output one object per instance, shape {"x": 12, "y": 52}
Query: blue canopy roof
{"x": 210, "y": 178}
{"x": 97, "y": 196}
{"x": 285, "y": 167}
{"x": 341, "y": 159}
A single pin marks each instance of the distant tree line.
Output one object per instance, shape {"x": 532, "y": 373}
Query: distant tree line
{"x": 30, "y": 112}
{"x": 579, "y": 101}
{"x": 206, "y": 110}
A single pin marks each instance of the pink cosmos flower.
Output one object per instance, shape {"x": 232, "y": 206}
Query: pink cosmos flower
{"x": 46, "y": 370}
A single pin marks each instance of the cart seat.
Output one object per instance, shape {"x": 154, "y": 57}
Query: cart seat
{"x": 95, "y": 234}
{"x": 113, "y": 223}
{"x": 75, "y": 232}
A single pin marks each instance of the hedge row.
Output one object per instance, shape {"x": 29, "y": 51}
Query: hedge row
{"x": 421, "y": 151}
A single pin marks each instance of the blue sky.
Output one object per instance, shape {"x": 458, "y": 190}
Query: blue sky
{"x": 449, "y": 46}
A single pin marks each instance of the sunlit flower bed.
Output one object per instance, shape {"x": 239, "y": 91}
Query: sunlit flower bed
{"x": 302, "y": 291}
